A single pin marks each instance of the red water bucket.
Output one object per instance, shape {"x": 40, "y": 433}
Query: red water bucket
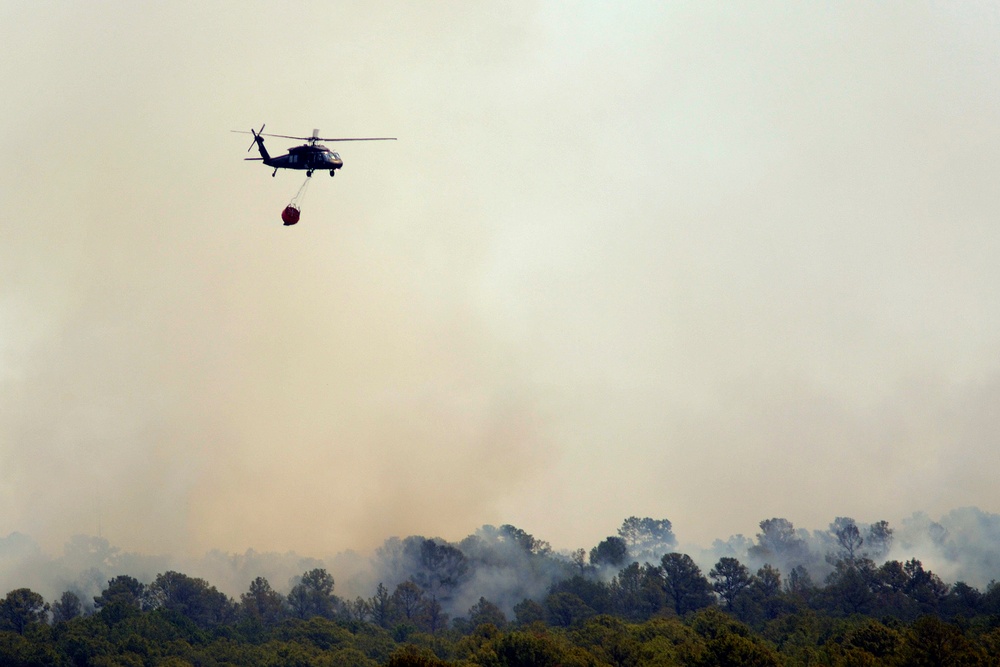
{"x": 290, "y": 215}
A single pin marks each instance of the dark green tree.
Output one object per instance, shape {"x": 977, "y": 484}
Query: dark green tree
{"x": 962, "y": 600}
{"x": 124, "y": 597}
{"x": 432, "y": 617}
{"x": 566, "y": 610}
{"x": 521, "y": 649}
{"x": 890, "y": 586}
{"x": 990, "y": 602}
{"x": 21, "y": 609}
{"x": 800, "y": 585}
{"x": 768, "y": 581}
{"x": 593, "y": 593}
{"x": 924, "y": 587}
{"x": 611, "y": 552}
{"x": 730, "y": 578}
{"x": 685, "y": 586}
{"x": 765, "y": 599}
{"x": 313, "y": 595}
{"x": 261, "y": 603}
{"x": 442, "y": 568}
{"x": 485, "y": 612}
{"x": 381, "y": 607}
{"x": 934, "y": 642}
{"x": 875, "y": 638}
{"x": 850, "y": 587}
{"x": 636, "y": 592}
{"x": 411, "y": 655}
{"x": 528, "y": 611}
{"x": 610, "y": 640}
{"x": 349, "y": 657}
{"x": 191, "y": 597}
{"x": 126, "y": 591}
{"x": 408, "y": 601}
{"x": 67, "y": 607}
{"x": 358, "y": 609}
{"x": 729, "y": 642}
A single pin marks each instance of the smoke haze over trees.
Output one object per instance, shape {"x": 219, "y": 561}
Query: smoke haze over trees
{"x": 425, "y": 601}
{"x": 507, "y": 565}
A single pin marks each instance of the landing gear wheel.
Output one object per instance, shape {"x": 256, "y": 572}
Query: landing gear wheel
{"x": 309, "y": 173}
{"x": 333, "y": 172}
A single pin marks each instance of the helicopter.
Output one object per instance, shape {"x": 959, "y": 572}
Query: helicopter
{"x": 310, "y": 156}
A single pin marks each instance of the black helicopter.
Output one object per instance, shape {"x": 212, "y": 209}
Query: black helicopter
{"x": 310, "y": 156}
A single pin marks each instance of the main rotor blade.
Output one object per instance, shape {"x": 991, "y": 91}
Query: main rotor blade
{"x": 359, "y": 139}
{"x": 252, "y": 132}
{"x": 282, "y": 136}
{"x": 286, "y": 136}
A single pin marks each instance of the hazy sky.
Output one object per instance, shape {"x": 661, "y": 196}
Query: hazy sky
{"x": 708, "y": 262}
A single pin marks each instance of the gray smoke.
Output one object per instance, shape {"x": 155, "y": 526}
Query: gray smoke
{"x": 658, "y": 259}
{"x": 503, "y": 565}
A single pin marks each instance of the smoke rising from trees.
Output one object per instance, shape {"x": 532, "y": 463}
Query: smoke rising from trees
{"x": 504, "y": 566}
{"x": 638, "y": 242}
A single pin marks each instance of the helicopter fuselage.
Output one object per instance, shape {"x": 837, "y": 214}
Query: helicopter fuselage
{"x": 308, "y": 158}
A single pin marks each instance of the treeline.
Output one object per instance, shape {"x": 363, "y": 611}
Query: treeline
{"x": 605, "y": 607}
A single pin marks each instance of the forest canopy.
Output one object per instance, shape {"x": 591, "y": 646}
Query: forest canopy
{"x": 502, "y": 596}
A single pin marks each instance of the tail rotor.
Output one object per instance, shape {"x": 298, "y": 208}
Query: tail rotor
{"x": 256, "y": 137}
